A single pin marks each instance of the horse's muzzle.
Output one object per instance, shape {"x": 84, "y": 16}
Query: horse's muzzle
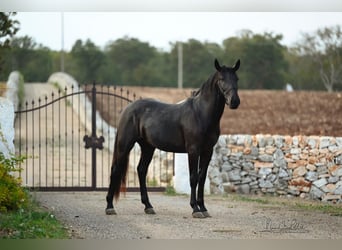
{"x": 233, "y": 102}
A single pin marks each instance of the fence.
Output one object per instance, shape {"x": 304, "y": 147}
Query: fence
{"x": 55, "y": 132}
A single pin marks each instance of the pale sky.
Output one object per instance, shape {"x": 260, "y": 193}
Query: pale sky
{"x": 161, "y": 28}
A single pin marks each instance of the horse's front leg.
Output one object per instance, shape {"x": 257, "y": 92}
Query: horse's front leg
{"x": 203, "y": 167}
{"x": 193, "y": 170}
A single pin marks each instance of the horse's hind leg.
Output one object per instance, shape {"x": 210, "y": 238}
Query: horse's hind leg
{"x": 115, "y": 183}
{"x": 145, "y": 159}
{"x": 118, "y": 172}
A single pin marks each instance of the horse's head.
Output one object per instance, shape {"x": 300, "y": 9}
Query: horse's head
{"x": 227, "y": 83}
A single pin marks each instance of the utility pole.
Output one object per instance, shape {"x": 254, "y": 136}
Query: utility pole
{"x": 62, "y": 42}
{"x": 180, "y": 65}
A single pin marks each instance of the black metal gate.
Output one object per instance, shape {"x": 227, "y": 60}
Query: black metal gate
{"x": 56, "y": 131}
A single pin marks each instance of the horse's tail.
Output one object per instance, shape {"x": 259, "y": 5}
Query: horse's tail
{"x": 119, "y": 171}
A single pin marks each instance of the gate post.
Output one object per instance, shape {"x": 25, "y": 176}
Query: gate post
{"x": 93, "y": 135}
{"x": 93, "y": 141}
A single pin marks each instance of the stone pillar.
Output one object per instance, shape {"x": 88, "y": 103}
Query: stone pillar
{"x": 181, "y": 179}
{"x": 6, "y": 127}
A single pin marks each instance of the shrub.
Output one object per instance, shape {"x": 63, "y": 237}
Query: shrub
{"x": 12, "y": 195}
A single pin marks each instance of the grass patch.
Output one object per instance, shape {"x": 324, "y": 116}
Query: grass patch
{"x": 20, "y": 215}
{"x": 293, "y": 203}
{"x": 152, "y": 182}
{"x": 334, "y": 210}
{"x": 32, "y": 222}
{"x": 170, "y": 190}
{"x": 259, "y": 200}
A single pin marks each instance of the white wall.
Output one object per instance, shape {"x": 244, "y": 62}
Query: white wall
{"x": 7, "y": 107}
{"x": 181, "y": 181}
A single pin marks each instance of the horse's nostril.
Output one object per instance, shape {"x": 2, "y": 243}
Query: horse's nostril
{"x": 234, "y": 102}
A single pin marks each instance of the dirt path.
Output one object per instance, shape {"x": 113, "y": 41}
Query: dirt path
{"x": 231, "y": 218}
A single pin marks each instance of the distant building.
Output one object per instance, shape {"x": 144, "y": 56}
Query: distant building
{"x": 288, "y": 87}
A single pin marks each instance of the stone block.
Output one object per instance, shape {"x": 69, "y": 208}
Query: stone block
{"x": 311, "y": 176}
{"x": 338, "y": 190}
{"x": 263, "y": 172}
{"x": 234, "y": 175}
{"x": 282, "y": 173}
{"x": 261, "y": 140}
{"x": 316, "y": 193}
{"x": 260, "y": 164}
{"x": 265, "y": 158}
{"x": 333, "y": 179}
{"x": 243, "y": 189}
{"x": 265, "y": 184}
{"x": 300, "y": 171}
{"x": 228, "y": 187}
{"x": 278, "y": 141}
{"x": 295, "y": 151}
{"x": 311, "y": 167}
{"x": 300, "y": 181}
{"x": 331, "y": 197}
{"x": 320, "y": 182}
{"x": 324, "y": 142}
{"x": 312, "y": 142}
{"x": 227, "y": 166}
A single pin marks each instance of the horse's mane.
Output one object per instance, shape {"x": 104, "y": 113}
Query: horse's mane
{"x": 208, "y": 83}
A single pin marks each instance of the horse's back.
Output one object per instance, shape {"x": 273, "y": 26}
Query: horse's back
{"x": 155, "y": 122}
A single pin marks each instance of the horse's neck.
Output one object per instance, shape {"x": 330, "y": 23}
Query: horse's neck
{"x": 211, "y": 105}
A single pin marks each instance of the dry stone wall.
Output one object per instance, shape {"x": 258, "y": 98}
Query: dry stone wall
{"x": 305, "y": 166}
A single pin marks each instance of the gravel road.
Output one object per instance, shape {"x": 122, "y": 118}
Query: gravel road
{"x": 83, "y": 213}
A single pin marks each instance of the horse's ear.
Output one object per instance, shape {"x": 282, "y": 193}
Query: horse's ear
{"x": 217, "y": 65}
{"x": 237, "y": 65}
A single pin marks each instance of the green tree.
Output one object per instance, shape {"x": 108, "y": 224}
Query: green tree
{"x": 302, "y": 73}
{"x": 198, "y": 61}
{"x": 87, "y": 60}
{"x": 324, "y": 48}
{"x": 8, "y": 28}
{"x": 32, "y": 60}
{"x": 131, "y": 60}
{"x": 263, "y": 64}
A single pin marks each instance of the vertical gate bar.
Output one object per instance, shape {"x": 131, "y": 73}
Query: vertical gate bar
{"x": 85, "y": 132}
{"x": 26, "y": 142}
{"x": 59, "y": 139}
{"x": 46, "y": 144}
{"x": 160, "y": 167}
{"x": 72, "y": 136}
{"x": 102, "y": 107}
{"x": 79, "y": 138}
{"x": 19, "y": 118}
{"x": 93, "y": 135}
{"x": 39, "y": 145}
{"x": 53, "y": 140}
{"x": 108, "y": 141}
{"x": 135, "y": 155}
{"x": 66, "y": 136}
{"x": 33, "y": 139}
{"x": 133, "y": 165}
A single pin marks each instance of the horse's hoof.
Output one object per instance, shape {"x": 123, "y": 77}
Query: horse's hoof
{"x": 149, "y": 211}
{"x": 110, "y": 211}
{"x": 206, "y": 214}
{"x": 198, "y": 215}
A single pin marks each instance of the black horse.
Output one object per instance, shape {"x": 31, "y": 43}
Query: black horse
{"x": 192, "y": 127}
